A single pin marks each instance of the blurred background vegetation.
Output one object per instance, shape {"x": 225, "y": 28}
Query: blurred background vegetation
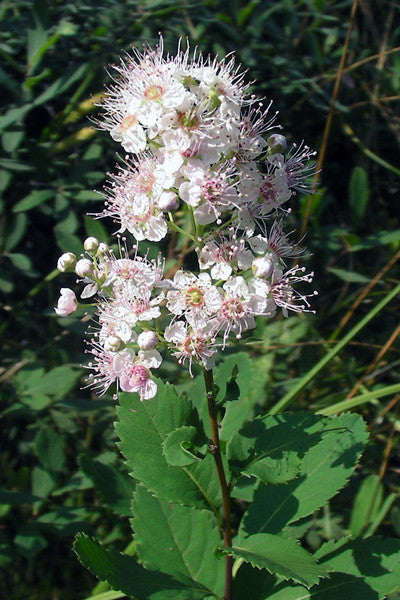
{"x": 57, "y": 439}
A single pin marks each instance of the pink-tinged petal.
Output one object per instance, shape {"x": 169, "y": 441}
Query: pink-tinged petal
{"x": 67, "y": 302}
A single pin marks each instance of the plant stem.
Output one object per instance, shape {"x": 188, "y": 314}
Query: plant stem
{"x": 226, "y": 498}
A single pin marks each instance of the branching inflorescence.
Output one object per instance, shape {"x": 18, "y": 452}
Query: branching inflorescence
{"x": 206, "y": 160}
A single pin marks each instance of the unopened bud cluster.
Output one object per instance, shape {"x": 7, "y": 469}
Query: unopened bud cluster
{"x": 203, "y": 160}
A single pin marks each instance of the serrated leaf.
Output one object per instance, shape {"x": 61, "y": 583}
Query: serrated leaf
{"x": 124, "y": 574}
{"x": 366, "y": 504}
{"x": 251, "y": 383}
{"x": 142, "y": 429}
{"x": 363, "y": 568}
{"x": 182, "y": 446}
{"x": 186, "y": 538}
{"x": 251, "y": 378}
{"x": 271, "y": 447}
{"x": 251, "y": 583}
{"x": 280, "y": 556}
{"x": 115, "y": 487}
{"x": 324, "y": 470}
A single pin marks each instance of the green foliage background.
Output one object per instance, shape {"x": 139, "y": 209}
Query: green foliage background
{"x": 57, "y": 440}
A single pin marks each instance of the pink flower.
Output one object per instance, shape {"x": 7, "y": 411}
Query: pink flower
{"x": 134, "y": 371}
{"x": 67, "y": 303}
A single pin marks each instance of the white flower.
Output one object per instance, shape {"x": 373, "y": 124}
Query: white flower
{"x": 194, "y": 297}
{"x": 229, "y": 254}
{"x": 130, "y": 133}
{"x": 242, "y": 302}
{"x": 137, "y": 271}
{"x": 191, "y": 344}
{"x": 276, "y": 243}
{"x": 211, "y": 191}
{"x": 132, "y": 199}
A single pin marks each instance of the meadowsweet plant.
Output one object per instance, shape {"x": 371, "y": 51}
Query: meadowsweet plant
{"x": 220, "y": 499}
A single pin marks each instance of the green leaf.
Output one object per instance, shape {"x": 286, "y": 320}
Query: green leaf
{"x": 251, "y": 382}
{"x": 15, "y": 165}
{"x": 115, "y": 486}
{"x": 251, "y": 583}
{"x": 280, "y": 556}
{"x": 20, "y": 261}
{"x": 359, "y": 194}
{"x": 49, "y": 448}
{"x": 124, "y": 574}
{"x": 324, "y": 470}
{"x": 395, "y": 517}
{"x": 17, "y": 230}
{"x": 57, "y": 382}
{"x": 42, "y": 482}
{"x": 16, "y": 498}
{"x": 364, "y": 568}
{"x": 271, "y": 447}
{"x": 182, "y": 446}
{"x": 248, "y": 375}
{"x": 6, "y": 550}
{"x": 33, "y": 199}
{"x": 95, "y": 228}
{"x": 12, "y": 139}
{"x": 29, "y": 540}
{"x": 62, "y": 84}
{"x": 143, "y": 427}
{"x": 380, "y": 239}
{"x": 36, "y": 402}
{"x": 366, "y": 505}
{"x": 68, "y": 242}
{"x": 349, "y": 276}
{"x": 64, "y": 521}
{"x": 186, "y": 538}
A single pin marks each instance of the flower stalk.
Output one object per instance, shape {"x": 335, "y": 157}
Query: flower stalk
{"x": 215, "y": 450}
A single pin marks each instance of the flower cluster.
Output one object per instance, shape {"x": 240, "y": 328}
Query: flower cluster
{"x": 205, "y": 160}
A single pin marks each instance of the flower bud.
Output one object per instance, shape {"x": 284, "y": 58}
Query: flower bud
{"x": 67, "y": 303}
{"x": 84, "y": 268}
{"x": 113, "y": 343}
{"x": 262, "y": 266}
{"x": 102, "y": 249}
{"x": 147, "y": 340}
{"x": 277, "y": 143}
{"x": 91, "y": 244}
{"x": 66, "y": 262}
{"x": 168, "y": 201}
